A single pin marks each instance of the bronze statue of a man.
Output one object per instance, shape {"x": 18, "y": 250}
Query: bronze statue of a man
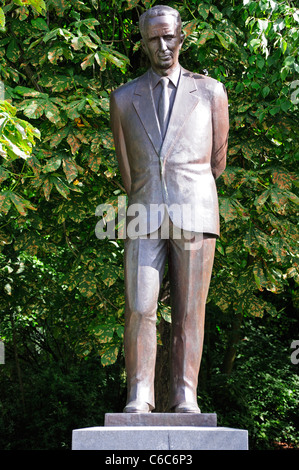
{"x": 171, "y": 142}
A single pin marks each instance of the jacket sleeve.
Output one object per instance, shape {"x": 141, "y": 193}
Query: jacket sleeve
{"x": 220, "y": 120}
{"x": 119, "y": 143}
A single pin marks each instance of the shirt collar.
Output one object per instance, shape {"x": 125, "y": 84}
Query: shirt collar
{"x": 173, "y": 77}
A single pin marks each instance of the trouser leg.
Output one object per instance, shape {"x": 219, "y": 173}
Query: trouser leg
{"x": 190, "y": 272}
{"x": 144, "y": 268}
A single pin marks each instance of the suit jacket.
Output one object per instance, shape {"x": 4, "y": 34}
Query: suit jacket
{"x": 180, "y": 172}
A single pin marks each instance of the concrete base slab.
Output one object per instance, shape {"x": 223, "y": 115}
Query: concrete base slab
{"x": 161, "y": 419}
{"x": 159, "y": 438}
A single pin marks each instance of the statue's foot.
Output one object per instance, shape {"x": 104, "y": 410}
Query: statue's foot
{"x": 186, "y": 407}
{"x": 137, "y": 407}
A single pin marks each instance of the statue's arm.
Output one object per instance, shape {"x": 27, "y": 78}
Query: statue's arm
{"x": 120, "y": 145}
{"x": 220, "y": 130}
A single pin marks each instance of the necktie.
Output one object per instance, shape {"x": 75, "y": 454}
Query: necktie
{"x": 163, "y": 107}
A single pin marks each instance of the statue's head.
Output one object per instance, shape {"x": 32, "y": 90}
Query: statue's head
{"x": 162, "y": 38}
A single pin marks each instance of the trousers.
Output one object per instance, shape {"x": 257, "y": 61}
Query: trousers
{"x": 190, "y": 258}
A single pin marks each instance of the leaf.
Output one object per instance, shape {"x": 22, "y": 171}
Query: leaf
{"x": 73, "y": 142}
{"x": 95, "y": 143}
{"x": 229, "y": 174}
{"x": 259, "y": 275}
{"x": 109, "y": 274}
{"x": 59, "y": 136}
{"x": 292, "y": 197}
{"x": 203, "y": 10}
{"x": 61, "y": 83}
{"x": 28, "y": 242}
{"x": 293, "y": 273}
{"x": 77, "y": 43}
{"x": 190, "y": 27}
{"x": 70, "y": 169}
{"x": 21, "y": 204}
{"x": 52, "y": 165}
{"x": 132, "y": 4}
{"x": 5, "y": 202}
{"x": 252, "y": 305}
{"x": 165, "y": 311}
{"x": 34, "y": 164}
{"x": 223, "y": 41}
{"x": 88, "y": 284}
{"x": 47, "y": 188}
{"x": 79, "y": 5}
{"x": 74, "y": 108}
{"x": 262, "y": 198}
{"x": 243, "y": 108}
{"x": 278, "y": 249}
{"x": 239, "y": 88}
{"x": 60, "y": 6}
{"x": 61, "y": 187}
{"x": 247, "y": 151}
{"x": 94, "y": 161}
{"x": 3, "y": 174}
{"x": 250, "y": 242}
{"x": 89, "y": 43}
{"x": 2, "y": 18}
{"x": 13, "y": 51}
{"x": 71, "y": 210}
{"x": 109, "y": 355}
{"x": 88, "y": 61}
{"x": 278, "y": 198}
{"x": 107, "y": 139}
{"x": 265, "y": 91}
{"x": 104, "y": 333}
{"x": 242, "y": 212}
{"x": 227, "y": 209}
{"x": 90, "y": 23}
{"x": 55, "y": 53}
{"x": 101, "y": 60}
{"x": 39, "y": 5}
{"x": 217, "y": 14}
{"x": 118, "y": 59}
{"x": 14, "y": 150}
{"x": 93, "y": 105}
{"x": 6, "y": 239}
{"x": 33, "y": 109}
{"x": 51, "y": 111}
{"x": 119, "y": 329}
{"x": 40, "y": 24}
{"x": 208, "y": 34}
{"x": 260, "y": 62}
{"x": 282, "y": 178}
{"x": 81, "y": 136}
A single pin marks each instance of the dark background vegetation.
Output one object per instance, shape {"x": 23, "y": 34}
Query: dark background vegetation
{"x": 61, "y": 290}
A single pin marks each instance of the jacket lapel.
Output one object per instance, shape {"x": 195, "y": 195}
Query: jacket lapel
{"x": 145, "y": 108}
{"x": 185, "y": 102}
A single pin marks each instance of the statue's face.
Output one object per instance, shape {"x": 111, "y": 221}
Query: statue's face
{"x": 162, "y": 43}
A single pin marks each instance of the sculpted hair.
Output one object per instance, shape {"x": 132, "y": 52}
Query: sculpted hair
{"x": 158, "y": 10}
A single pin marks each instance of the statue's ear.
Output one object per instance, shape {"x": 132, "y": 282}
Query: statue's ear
{"x": 182, "y": 39}
{"x": 143, "y": 45}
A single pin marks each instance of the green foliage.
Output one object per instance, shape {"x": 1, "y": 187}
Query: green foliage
{"x": 261, "y": 394}
{"x": 62, "y": 298}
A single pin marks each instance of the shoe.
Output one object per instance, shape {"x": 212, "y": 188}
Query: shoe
{"x": 186, "y": 407}
{"x": 137, "y": 407}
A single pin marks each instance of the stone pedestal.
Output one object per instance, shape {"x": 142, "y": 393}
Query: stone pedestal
{"x": 161, "y": 419}
{"x": 160, "y": 431}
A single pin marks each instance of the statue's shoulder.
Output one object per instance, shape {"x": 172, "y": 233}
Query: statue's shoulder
{"x": 128, "y": 88}
{"x": 204, "y": 82}
{"x": 125, "y": 87}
